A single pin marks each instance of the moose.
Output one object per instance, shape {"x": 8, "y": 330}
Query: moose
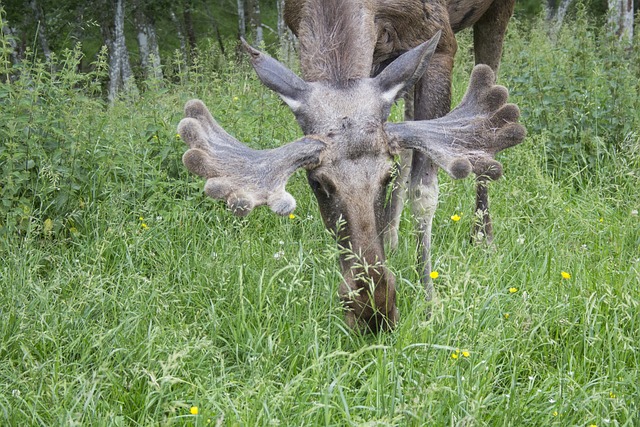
{"x": 357, "y": 59}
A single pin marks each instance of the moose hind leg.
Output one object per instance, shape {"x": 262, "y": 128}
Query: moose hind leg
{"x": 488, "y": 36}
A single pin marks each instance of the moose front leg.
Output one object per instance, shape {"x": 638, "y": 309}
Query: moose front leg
{"x": 393, "y": 209}
{"x": 423, "y": 192}
{"x": 432, "y": 100}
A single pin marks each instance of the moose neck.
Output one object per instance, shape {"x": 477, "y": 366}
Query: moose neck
{"x": 337, "y": 39}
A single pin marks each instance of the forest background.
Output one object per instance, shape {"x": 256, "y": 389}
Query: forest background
{"x": 143, "y": 36}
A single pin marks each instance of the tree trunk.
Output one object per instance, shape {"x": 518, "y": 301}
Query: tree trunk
{"x": 242, "y": 23}
{"x": 42, "y": 28}
{"x": 180, "y": 34}
{"x": 147, "y": 42}
{"x": 621, "y": 19}
{"x": 285, "y": 37}
{"x": 255, "y": 21}
{"x": 120, "y": 73}
{"x": 10, "y": 34}
{"x": 555, "y": 17}
{"x": 188, "y": 25}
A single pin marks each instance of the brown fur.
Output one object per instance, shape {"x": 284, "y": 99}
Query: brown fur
{"x": 331, "y": 48}
{"x": 399, "y": 26}
{"x": 349, "y": 150}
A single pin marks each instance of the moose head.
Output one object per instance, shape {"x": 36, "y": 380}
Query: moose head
{"x": 348, "y": 152}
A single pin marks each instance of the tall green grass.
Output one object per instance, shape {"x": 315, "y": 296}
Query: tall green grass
{"x": 128, "y": 297}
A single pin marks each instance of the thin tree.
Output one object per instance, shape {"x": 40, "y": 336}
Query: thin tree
{"x": 255, "y": 20}
{"x": 9, "y": 34}
{"x": 556, "y": 13}
{"x": 41, "y": 22}
{"x": 179, "y": 34}
{"x": 147, "y": 40}
{"x": 120, "y": 73}
{"x": 621, "y": 19}
{"x": 242, "y": 21}
{"x": 285, "y": 36}
{"x": 187, "y": 13}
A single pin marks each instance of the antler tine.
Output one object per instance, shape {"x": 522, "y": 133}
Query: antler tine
{"x": 467, "y": 138}
{"x": 243, "y": 177}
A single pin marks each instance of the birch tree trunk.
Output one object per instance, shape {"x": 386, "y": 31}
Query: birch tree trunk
{"x": 120, "y": 73}
{"x": 285, "y": 37}
{"x": 180, "y": 34}
{"x": 556, "y": 17}
{"x": 147, "y": 42}
{"x": 42, "y": 28}
{"x": 621, "y": 19}
{"x": 255, "y": 21}
{"x": 242, "y": 22}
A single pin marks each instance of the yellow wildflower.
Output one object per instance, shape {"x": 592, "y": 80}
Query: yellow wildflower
{"x": 555, "y": 413}
{"x": 465, "y": 353}
{"x": 506, "y": 315}
{"x": 235, "y": 98}
{"x": 292, "y": 216}
{"x": 144, "y": 226}
{"x": 434, "y": 274}
{"x": 455, "y": 354}
{"x": 565, "y": 275}
{"x": 612, "y": 395}
{"x": 177, "y": 136}
{"x": 455, "y": 218}
{"x": 194, "y": 410}
{"x": 513, "y": 290}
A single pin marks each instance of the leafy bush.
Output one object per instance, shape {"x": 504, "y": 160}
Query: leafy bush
{"x": 580, "y": 90}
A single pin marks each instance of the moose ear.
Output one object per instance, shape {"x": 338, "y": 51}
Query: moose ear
{"x": 291, "y": 88}
{"x": 406, "y": 70}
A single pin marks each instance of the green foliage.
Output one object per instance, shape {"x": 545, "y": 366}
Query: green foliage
{"x": 128, "y": 297}
{"x": 580, "y": 90}
{"x": 46, "y": 167}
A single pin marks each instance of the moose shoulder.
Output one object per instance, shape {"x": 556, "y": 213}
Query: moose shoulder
{"x": 349, "y": 149}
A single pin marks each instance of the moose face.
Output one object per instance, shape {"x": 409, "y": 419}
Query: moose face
{"x": 351, "y": 182}
{"x": 351, "y": 185}
{"x": 348, "y": 154}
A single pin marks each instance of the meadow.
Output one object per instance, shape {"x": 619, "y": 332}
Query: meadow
{"x": 129, "y": 298}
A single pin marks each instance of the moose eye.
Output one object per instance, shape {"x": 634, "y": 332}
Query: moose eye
{"x": 314, "y": 184}
{"x": 325, "y": 186}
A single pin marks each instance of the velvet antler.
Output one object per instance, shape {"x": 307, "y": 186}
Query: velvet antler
{"x": 467, "y": 138}
{"x": 243, "y": 177}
